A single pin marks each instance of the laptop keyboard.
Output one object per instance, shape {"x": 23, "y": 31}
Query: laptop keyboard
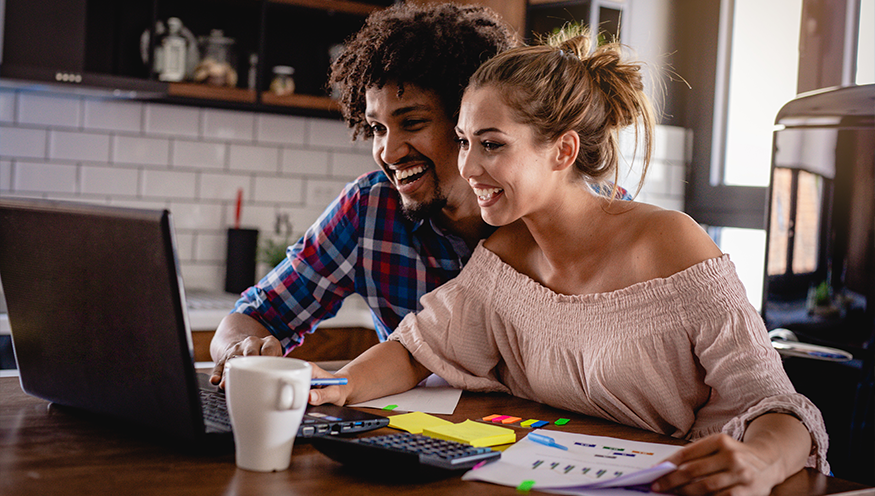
{"x": 215, "y": 410}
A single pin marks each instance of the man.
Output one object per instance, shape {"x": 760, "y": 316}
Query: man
{"x": 395, "y": 234}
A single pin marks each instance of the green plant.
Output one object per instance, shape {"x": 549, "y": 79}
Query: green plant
{"x": 823, "y": 294}
{"x": 272, "y": 252}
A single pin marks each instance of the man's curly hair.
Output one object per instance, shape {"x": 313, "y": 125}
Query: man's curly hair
{"x": 435, "y": 47}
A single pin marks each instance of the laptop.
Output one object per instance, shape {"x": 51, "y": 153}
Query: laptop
{"x": 99, "y": 322}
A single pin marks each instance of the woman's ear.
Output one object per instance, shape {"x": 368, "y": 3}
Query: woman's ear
{"x": 567, "y": 146}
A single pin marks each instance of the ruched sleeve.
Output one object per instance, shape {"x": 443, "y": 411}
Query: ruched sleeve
{"x": 449, "y": 335}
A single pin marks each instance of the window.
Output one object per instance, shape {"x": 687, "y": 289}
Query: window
{"x": 763, "y": 68}
{"x": 866, "y": 43}
{"x": 758, "y": 71}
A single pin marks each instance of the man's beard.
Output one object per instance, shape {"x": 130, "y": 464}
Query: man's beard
{"x": 427, "y": 210}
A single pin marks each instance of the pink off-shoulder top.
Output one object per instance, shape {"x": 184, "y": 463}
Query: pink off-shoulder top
{"x": 686, "y": 355}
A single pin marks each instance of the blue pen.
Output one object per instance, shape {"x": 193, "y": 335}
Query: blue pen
{"x": 545, "y": 440}
{"x": 328, "y": 382}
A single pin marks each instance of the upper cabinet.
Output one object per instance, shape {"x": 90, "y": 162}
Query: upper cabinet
{"x": 270, "y": 55}
{"x": 604, "y": 17}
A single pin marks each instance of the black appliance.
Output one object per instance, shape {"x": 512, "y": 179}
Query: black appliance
{"x": 820, "y": 260}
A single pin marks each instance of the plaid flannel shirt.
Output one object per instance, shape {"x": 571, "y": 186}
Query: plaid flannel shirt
{"x": 361, "y": 244}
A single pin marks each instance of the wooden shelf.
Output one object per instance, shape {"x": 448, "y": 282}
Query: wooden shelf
{"x": 301, "y": 101}
{"x": 207, "y": 92}
{"x": 347, "y": 7}
{"x": 240, "y": 95}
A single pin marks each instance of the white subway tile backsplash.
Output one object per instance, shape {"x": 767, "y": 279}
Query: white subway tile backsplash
{"x": 189, "y": 215}
{"x": 677, "y": 172}
{"x": 214, "y": 186}
{"x": 139, "y": 150}
{"x": 332, "y": 133}
{"x": 210, "y": 247}
{"x": 202, "y": 154}
{"x": 22, "y": 142}
{"x": 666, "y": 202}
{"x": 280, "y": 129}
{"x": 303, "y": 218}
{"x": 657, "y": 178}
{"x": 229, "y": 124}
{"x": 109, "y": 181}
{"x": 7, "y": 106}
{"x": 351, "y": 165}
{"x": 5, "y": 175}
{"x": 69, "y": 145}
{"x": 260, "y": 216}
{"x": 669, "y": 143}
{"x": 209, "y": 277}
{"x": 168, "y": 184}
{"x": 43, "y": 177}
{"x": 49, "y": 109}
{"x": 296, "y": 161}
{"x": 172, "y": 120}
{"x": 253, "y": 158}
{"x": 278, "y": 189}
{"x": 322, "y": 192}
{"x": 185, "y": 246}
{"x": 114, "y": 115}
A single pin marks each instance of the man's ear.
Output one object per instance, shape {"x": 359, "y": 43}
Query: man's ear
{"x": 567, "y": 147}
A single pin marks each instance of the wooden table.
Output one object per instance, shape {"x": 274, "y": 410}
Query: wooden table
{"x": 46, "y": 450}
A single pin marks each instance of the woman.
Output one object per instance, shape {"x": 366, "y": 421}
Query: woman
{"x": 614, "y": 309}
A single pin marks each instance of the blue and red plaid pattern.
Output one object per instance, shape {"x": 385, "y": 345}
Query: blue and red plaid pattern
{"x": 361, "y": 244}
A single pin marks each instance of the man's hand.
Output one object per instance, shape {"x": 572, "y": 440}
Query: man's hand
{"x": 329, "y": 394}
{"x": 240, "y": 335}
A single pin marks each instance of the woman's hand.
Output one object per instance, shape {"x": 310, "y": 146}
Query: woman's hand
{"x": 775, "y": 447}
{"x": 328, "y": 394}
{"x": 719, "y": 464}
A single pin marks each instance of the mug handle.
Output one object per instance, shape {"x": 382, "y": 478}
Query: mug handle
{"x": 291, "y": 395}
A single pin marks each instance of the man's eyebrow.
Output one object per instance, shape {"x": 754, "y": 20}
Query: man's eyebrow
{"x": 417, "y": 107}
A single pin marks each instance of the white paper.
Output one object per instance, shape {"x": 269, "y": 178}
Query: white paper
{"x": 433, "y": 395}
{"x": 592, "y": 465}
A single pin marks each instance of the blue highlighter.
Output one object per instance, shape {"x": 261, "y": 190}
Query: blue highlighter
{"x": 545, "y": 440}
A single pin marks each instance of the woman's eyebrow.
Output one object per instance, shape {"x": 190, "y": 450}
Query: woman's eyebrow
{"x": 481, "y": 131}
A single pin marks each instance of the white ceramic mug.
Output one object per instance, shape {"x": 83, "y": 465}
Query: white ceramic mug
{"x": 266, "y": 399}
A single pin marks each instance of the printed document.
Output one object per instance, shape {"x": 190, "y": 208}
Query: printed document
{"x": 591, "y": 465}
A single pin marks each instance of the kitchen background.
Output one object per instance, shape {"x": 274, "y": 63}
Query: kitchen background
{"x": 193, "y": 160}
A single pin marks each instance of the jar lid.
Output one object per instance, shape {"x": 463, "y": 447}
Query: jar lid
{"x": 216, "y": 37}
{"x": 284, "y": 70}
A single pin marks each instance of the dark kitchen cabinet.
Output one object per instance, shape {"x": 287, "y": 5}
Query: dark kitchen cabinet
{"x": 96, "y": 44}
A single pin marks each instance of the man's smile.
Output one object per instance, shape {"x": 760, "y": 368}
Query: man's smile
{"x": 410, "y": 174}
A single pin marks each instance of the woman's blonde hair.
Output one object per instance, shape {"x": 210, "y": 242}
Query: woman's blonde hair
{"x": 567, "y": 85}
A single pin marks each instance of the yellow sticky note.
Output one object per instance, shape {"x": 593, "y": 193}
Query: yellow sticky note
{"x": 476, "y": 434}
{"x": 414, "y": 422}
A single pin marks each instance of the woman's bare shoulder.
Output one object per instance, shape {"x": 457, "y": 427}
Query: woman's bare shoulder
{"x": 671, "y": 241}
{"x": 511, "y": 243}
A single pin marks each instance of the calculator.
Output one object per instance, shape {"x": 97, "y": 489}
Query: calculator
{"x": 404, "y": 452}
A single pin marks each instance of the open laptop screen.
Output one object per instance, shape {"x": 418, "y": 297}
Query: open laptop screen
{"x": 96, "y": 310}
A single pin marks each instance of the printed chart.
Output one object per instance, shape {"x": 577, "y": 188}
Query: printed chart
{"x": 576, "y": 464}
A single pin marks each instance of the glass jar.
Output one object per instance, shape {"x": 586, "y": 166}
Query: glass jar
{"x": 218, "y": 60}
{"x": 282, "y": 83}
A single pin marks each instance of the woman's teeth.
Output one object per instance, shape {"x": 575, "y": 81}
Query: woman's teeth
{"x": 486, "y": 193}
{"x": 412, "y": 171}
